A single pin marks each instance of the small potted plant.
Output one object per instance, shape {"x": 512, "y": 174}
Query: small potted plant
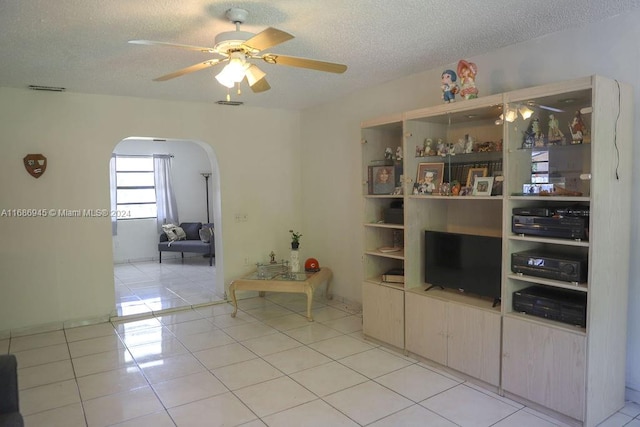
{"x": 295, "y": 239}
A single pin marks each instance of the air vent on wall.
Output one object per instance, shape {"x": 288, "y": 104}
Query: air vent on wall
{"x": 47, "y": 88}
{"x": 232, "y": 103}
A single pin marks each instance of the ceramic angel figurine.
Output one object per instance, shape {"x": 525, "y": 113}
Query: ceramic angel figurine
{"x": 449, "y": 86}
{"x": 467, "y": 72}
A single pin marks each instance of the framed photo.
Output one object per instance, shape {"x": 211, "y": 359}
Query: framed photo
{"x": 473, "y": 173}
{"x": 429, "y": 177}
{"x": 497, "y": 183}
{"x": 466, "y": 191}
{"x": 382, "y": 179}
{"x": 483, "y": 185}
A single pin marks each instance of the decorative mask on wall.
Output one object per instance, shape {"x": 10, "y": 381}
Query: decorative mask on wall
{"x": 35, "y": 164}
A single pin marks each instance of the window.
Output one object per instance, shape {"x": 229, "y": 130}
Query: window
{"x": 135, "y": 187}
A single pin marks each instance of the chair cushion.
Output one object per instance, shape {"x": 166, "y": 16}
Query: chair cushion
{"x": 192, "y": 230}
{"x": 186, "y": 246}
{"x": 173, "y": 232}
{"x": 206, "y": 232}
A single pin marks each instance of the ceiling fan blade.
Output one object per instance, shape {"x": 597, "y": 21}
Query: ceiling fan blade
{"x": 180, "y": 46}
{"x": 267, "y": 38}
{"x": 260, "y": 86}
{"x": 312, "y": 64}
{"x": 187, "y": 70}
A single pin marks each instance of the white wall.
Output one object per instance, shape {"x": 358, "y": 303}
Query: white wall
{"x": 137, "y": 239}
{"x": 332, "y": 136}
{"x": 61, "y": 269}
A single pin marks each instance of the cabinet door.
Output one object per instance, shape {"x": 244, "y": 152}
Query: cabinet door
{"x": 545, "y": 365}
{"x": 474, "y": 342}
{"x": 426, "y": 327}
{"x": 383, "y": 313}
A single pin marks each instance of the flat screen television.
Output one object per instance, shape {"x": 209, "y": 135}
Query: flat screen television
{"x": 465, "y": 262}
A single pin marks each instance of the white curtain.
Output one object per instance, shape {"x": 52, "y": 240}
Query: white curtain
{"x": 114, "y": 192}
{"x": 165, "y": 197}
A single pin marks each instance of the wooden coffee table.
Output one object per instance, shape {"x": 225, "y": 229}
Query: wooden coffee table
{"x": 304, "y": 283}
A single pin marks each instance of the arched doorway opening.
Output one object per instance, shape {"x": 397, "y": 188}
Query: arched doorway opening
{"x": 142, "y": 283}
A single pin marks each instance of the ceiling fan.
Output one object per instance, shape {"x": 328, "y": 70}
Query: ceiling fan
{"x": 237, "y": 48}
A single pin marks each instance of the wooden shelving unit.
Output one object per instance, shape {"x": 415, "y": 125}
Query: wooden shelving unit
{"x": 574, "y": 373}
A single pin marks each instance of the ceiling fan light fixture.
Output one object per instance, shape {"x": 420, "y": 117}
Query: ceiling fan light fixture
{"x": 225, "y": 80}
{"x": 254, "y": 74}
{"x": 525, "y": 112}
{"x": 234, "y": 71}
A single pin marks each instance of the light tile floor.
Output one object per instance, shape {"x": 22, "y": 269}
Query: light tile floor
{"x": 147, "y": 287}
{"x": 200, "y": 367}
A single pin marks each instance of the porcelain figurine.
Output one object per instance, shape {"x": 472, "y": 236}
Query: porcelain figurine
{"x": 555, "y": 134}
{"x": 467, "y": 73}
{"x": 449, "y": 86}
{"x": 577, "y": 128}
{"x": 428, "y": 149}
{"x": 468, "y": 147}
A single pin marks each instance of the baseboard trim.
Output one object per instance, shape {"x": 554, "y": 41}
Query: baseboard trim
{"x": 632, "y": 395}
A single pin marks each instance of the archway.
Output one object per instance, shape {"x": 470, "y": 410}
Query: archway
{"x": 142, "y": 283}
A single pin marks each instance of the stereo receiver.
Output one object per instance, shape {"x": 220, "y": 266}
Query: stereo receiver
{"x": 550, "y": 265}
{"x": 555, "y": 304}
{"x": 566, "y": 227}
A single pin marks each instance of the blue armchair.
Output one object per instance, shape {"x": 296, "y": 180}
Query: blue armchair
{"x": 193, "y": 242}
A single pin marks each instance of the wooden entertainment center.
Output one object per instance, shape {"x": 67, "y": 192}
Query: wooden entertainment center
{"x": 559, "y": 146}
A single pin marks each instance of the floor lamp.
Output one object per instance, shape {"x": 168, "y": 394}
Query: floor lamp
{"x": 206, "y": 190}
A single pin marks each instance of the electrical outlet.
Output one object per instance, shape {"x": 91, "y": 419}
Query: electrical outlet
{"x": 246, "y": 261}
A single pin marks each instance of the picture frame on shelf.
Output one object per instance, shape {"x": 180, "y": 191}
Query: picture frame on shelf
{"x": 474, "y": 173}
{"x": 381, "y": 180}
{"x": 429, "y": 177}
{"x": 498, "y": 180}
{"x": 466, "y": 191}
{"x": 483, "y": 185}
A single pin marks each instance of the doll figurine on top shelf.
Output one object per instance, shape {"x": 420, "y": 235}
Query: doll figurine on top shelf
{"x": 449, "y": 86}
{"x": 577, "y": 129}
{"x": 467, "y": 72}
{"x": 556, "y": 137}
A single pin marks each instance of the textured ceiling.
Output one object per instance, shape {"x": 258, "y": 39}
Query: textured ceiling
{"x": 82, "y": 44}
